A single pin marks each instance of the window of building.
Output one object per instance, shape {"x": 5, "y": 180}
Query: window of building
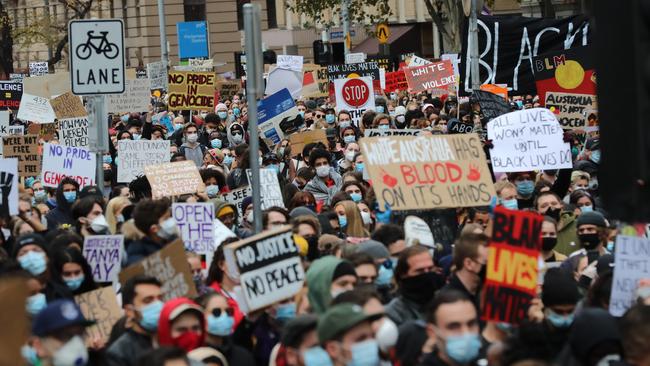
{"x": 194, "y": 10}
{"x": 271, "y": 16}
{"x": 240, "y": 13}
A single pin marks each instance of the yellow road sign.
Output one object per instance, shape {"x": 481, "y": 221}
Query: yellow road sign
{"x": 383, "y": 32}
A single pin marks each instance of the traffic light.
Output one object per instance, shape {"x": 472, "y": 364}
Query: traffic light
{"x": 322, "y": 53}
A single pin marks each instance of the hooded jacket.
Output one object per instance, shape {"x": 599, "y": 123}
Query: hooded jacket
{"x": 319, "y": 280}
{"x": 164, "y": 323}
{"x": 62, "y": 213}
{"x": 321, "y": 191}
{"x": 231, "y": 142}
{"x": 567, "y": 233}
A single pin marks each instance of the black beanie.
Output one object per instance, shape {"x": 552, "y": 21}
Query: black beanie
{"x": 343, "y": 268}
{"x": 592, "y": 218}
{"x": 559, "y": 288}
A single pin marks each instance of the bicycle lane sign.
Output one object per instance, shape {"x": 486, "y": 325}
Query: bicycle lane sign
{"x": 96, "y": 50}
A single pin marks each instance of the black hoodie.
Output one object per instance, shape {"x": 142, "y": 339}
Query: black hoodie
{"x": 62, "y": 213}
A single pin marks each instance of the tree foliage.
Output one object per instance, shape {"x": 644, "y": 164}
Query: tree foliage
{"x": 318, "y": 12}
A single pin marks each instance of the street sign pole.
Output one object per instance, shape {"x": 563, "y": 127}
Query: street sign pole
{"x": 345, "y": 14}
{"x": 473, "y": 49}
{"x": 97, "y": 134}
{"x": 164, "y": 55}
{"x": 254, "y": 91}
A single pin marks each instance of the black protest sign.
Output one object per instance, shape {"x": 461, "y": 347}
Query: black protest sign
{"x": 455, "y": 125}
{"x": 385, "y": 62}
{"x": 492, "y": 105}
{"x": 507, "y": 46}
{"x": 10, "y": 95}
{"x": 343, "y": 71}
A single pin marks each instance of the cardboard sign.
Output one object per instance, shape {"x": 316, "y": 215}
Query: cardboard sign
{"x": 279, "y": 79}
{"x": 276, "y": 115}
{"x": 632, "y": 260}
{"x": 317, "y": 75}
{"x": 355, "y": 96}
{"x": 416, "y": 231}
{"x": 66, "y": 161}
{"x": 68, "y": 105}
{"x": 300, "y": 139}
{"x": 14, "y": 292}
{"x": 499, "y": 90}
{"x": 492, "y": 105}
{"x": 191, "y": 90}
{"x": 104, "y": 255}
{"x": 45, "y": 131}
{"x": 101, "y": 306}
{"x": 435, "y": 77}
{"x": 526, "y": 140}
{"x": 395, "y": 81}
{"x": 290, "y": 62}
{"x": 270, "y": 188}
{"x": 269, "y": 267}
{"x": 36, "y": 109}
{"x": 170, "y": 267}
{"x": 196, "y": 64}
{"x": 136, "y": 97}
{"x": 134, "y": 156}
{"x": 9, "y": 179}
{"x": 236, "y": 197}
{"x": 17, "y": 77}
{"x": 512, "y": 265}
{"x": 25, "y": 149}
{"x": 173, "y": 179}
{"x": 228, "y": 89}
{"x": 10, "y": 95}
{"x": 571, "y": 71}
{"x": 74, "y": 132}
{"x": 377, "y": 132}
{"x": 157, "y": 74}
{"x": 194, "y": 221}
{"x": 572, "y": 110}
{"x": 434, "y": 171}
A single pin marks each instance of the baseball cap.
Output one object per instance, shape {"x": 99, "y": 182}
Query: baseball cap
{"x": 57, "y": 315}
{"x": 88, "y": 191}
{"x": 424, "y": 107}
{"x": 340, "y": 318}
{"x": 180, "y": 309}
{"x": 296, "y": 328}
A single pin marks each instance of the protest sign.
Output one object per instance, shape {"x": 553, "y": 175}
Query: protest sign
{"x": 25, "y": 149}
{"x": 10, "y": 95}
{"x": 269, "y": 188}
{"x": 68, "y": 161}
{"x": 300, "y": 139}
{"x": 134, "y": 156}
{"x": 194, "y": 221}
{"x": 38, "y": 68}
{"x": 4, "y": 123}
{"x": 221, "y": 233}
{"x": 318, "y": 76}
{"x": 173, "y": 179}
{"x": 16, "y": 77}
{"x": 492, "y": 105}
{"x": 74, "y": 132}
{"x": 378, "y": 132}
{"x": 290, "y": 62}
{"x": 384, "y": 62}
{"x": 36, "y": 109}
{"x": 416, "y": 231}
{"x": 13, "y": 316}
{"x": 9, "y": 179}
{"x": 355, "y": 58}
{"x": 395, "y": 81}
{"x": 500, "y": 90}
{"x": 104, "y": 255}
{"x": 170, "y": 267}
{"x": 191, "y": 90}
{"x": 454, "y": 125}
{"x": 415, "y": 61}
{"x": 268, "y": 265}
{"x": 279, "y": 79}
{"x": 569, "y": 71}
{"x": 354, "y": 95}
{"x": 632, "y": 260}
{"x": 236, "y": 198}
{"x": 571, "y": 110}
{"x": 157, "y": 74}
{"x": 100, "y": 306}
{"x": 18, "y": 129}
{"x": 344, "y": 71}
{"x": 45, "y": 131}
{"x": 436, "y": 77}
{"x": 68, "y": 105}
{"x": 228, "y": 88}
{"x": 526, "y": 140}
{"x": 512, "y": 268}
{"x": 428, "y": 171}
{"x": 276, "y": 115}
{"x": 136, "y": 97}
{"x": 197, "y": 64}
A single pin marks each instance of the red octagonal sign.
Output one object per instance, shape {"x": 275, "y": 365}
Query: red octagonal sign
{"x": 355, "y": 93}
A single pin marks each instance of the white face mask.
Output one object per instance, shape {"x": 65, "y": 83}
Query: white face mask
{"x": 99, "y": 224}
{"x": 73, "y": 353}
{"x": 349, "y": 155}
{"x": 323, "y": 171}
{"x": 192, "y": 137}
{"x": 387, "y": 335}
{"x": 249, "y": 217}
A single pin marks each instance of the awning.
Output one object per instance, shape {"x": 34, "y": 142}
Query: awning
{"x": 371, "y": 45}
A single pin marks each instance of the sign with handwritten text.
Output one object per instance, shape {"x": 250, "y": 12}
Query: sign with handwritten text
{"x": 104, "y": 255}
{"x": 632, "y": 264}
{"x": 66, "y": 161}
{"x": 194, "y": 221}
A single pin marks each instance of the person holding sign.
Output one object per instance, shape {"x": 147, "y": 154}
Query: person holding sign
{"x": 154, "y": 219}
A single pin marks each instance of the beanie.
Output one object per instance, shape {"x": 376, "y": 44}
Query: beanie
{"x": 374, "y": 248}
{"x": 559, "y": 288}
{"x": 342, "y": 269}
{"x": 592, "y": 218}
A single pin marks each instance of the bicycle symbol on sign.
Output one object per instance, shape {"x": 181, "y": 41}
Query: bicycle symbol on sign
{"x": 84, "y": 50}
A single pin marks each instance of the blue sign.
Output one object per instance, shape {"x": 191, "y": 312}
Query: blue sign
{"x": 193, "y": 40}
{"x": 272, "y": 111}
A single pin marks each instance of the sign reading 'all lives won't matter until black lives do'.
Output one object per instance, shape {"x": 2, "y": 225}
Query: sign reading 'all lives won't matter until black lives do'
{"x": 420, "y": 172}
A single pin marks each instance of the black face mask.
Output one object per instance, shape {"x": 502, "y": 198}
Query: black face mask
{"x": 548, "y": 244}
{"x": 108, "y": 175}
{"x": 589, "y": 241}
{"x": 421, "y": 288}
{"x": 312, "y": 248}
{"x": 553, "y": 213}
{"x": 482, "y": 274}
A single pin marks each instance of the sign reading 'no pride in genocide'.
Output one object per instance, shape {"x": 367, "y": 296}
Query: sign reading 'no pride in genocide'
{"x": 191, "y": 90}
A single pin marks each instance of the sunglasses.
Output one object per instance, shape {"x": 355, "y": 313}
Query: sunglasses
{"x": 388, "y": 264}
{"x": 217, "y": 312}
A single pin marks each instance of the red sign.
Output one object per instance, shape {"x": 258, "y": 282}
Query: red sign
{"x": 355, "y": 93}
{"x": 395, "y": 81}
{"x": 437, "y": 77}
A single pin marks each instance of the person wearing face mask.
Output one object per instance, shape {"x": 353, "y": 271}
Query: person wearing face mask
{"x": 210, "y": 125}
{"x": 298, "y": 337}
{"x": 351, "y": 149}
{"x": 549, "y": 241}
{"x": 58, "y": 335}
{"x": 328, "y": 277}
{"x": 142, "y": 303}
{"x": 214, "y": 182}
{"x": 549, "y": 204}
{"x": 153, "y": 218}
{"x": 66, "y": 195}
{"x": 40, "y": 194}
{"x": 327, "y": 181}
{"x": 181, "y": 324}
{"x": 453, "y": 326}
{"x": 73, "y": 270}
{"x": 525, "y": 187}
{"x": 236, "y": 134}
{"x": 400, "y": 117}
{"x": 89, "y": 214}
{"x": 344, "y": 119}
{"x": 592, "y": 228}
{"x": 222, "y": 112}
{"x": 191, "y": 148}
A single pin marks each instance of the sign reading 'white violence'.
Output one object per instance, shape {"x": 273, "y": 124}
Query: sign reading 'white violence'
{"x": 632, "y": 263}
{"x": 104, "y": 255}
{"x": 67, "y": 161}
{"x": 135, "y": 155}
{"x": 526, "y": 140}
{"x": 194, "y": 221}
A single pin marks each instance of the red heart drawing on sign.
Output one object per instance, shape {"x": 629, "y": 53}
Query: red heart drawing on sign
{"x": 388, "y": 179}
{"x": 474, "y": 174}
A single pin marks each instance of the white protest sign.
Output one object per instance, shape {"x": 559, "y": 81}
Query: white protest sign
{"x": 417, "y": 230}
{"x": 270, "y": 188}
{"x": 355, "y": 58}
{"x": 455, "y": 60}
{"x": 16, "y": 130}
{"x": 221, "y": 233}
{"x": 74, "y": 131}
{"x": 38, "y": 68}
{"x": 290, "y": 62}
{"x": 236, "y": 198}
{"x": 354, "y": 95}
{"x": 104, "y": 255}
{"x": 197, "y": 64}
{"x": 4, "y": 123}
{"x": 136, "y": 97}
{"x": 194, "y": 221}
{"x": 530, "y": 139}
{"x": 157, "y": 74}
{"x": 66, "y": 161}
{"x": 135, "y": 155}
{"x": 284, "y": 78}
{"x": 9, "y": 178}
{"x": 269, "y": 267}
{"x": 36, "y": 109}
{"x": 631, "y": 264}
{"x": 418, "y": 61}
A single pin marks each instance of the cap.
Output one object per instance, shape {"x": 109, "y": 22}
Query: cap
{"x": 269, "y": 157}
{"x": 592, "y": 218}
{"x": 296, "y": 328}
{"x": 310, "y": 104}
{"x": 225, "y": 210}
{"x": 302, "y": 211}
{"x": 344, "y": 268}
{"x": 559, "y": 288}
{"x": 89, "y": 191}
{"x": 340, "y": 318}
{"x": 424, "y": 107}
{"x": 400, "y": 110}
{"x": 374, "y": 248}
{"x": 219, "y": 107}
{"x": 246, "y": 202}
{"x": 587, "y": 166}
{"x": 57, "y": 315}
{"x": 207, "y": 354}
{"x": 29, "y": 239}
{"x": 180, "y": 309}
{"x": 593, "y": 143}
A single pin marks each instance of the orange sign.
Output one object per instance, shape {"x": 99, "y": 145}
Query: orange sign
{"x": 498, "y": 89}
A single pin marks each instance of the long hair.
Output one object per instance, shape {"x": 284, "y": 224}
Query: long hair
{"x": 354, "y": 227}
{"x": 110, "y": 213}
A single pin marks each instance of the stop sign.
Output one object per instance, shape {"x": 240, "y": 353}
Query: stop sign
{"x": 355, "y": 93}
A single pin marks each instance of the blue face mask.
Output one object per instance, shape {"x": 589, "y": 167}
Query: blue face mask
{"x": 316, "y": 356}
{"x": 220, "y": 326}
{"x": 227, "y": 160}
{"x": 301, "y": 114}
{"x": 36, "y": 303}
{"x": 589, "y": 208}
{"x": 595, "y": 156}
{"x": 137, "y": 136}
{"x": 285, "y": 312}
{"x": 356, "y": 197}
{"x": 344, "y": 124}
{"x": 125, "y": 118}
{"x": 74, "y": 283}
{"x": 383, "y": 127}
{"x": 463, "y": 348}
{"x": 29, "y": 182}
{"x": 359, "y": 167}
{"x": 559, "y": 321}
{"x": 178, "y": 126}
{"x": 365, "y": 353}
{"x": 216, "y": 144}
{"x": 525, "y": 188}
{"x": 222, "y": 115}
{"x": 330, "y": 118}
{"x": 379, "y": 108}
{"x": 610, "y": 246}
{"x": 343, "y": 221}
{"x": 505, "y": 327}
{"x": 510, "y": 204}
{"x": 70, "y": 196}
{"x": 212, "y": 190}
{"x": 40, "y": 195}
{"x": 151, "y": 315}
{"x": 34, "y": 262}
{"x": 384, "y": 277}
{"x": 349, "y": 139}
{"x": 236, "y": 111}
{"x": 108, "y": 159}
{"x": 274, "y": 167}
